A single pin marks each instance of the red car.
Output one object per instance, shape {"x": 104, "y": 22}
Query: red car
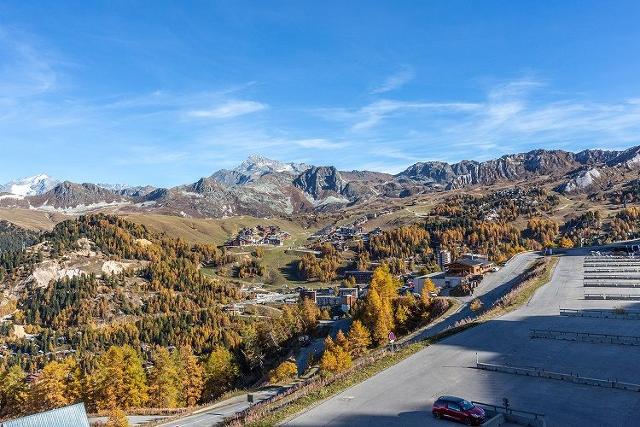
{"x": 458, "y": 409}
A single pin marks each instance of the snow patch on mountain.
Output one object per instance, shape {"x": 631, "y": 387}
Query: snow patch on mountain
{"x": 581, "y": 181}
{"x": 30, "y": 186}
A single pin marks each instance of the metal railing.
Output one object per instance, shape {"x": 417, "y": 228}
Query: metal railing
{"x": 611, "y": 277}
{"x": 612, "y": 297}
{"x": 610, "y": 285}
{"x": 602, "y": 313}
{"x": 562, "y": 376}
{"x": 498, "y": 409}
{"x": 585, "y": 337}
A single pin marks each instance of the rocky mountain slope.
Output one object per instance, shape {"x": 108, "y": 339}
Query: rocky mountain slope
{"x": 264, "y": 187}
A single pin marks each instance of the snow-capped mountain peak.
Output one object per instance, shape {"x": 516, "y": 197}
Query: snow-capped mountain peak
{"x": 30, "y": 186}
{"x": 259, "y": 165}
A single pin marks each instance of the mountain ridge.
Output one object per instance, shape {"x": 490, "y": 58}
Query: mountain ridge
{"x": 261, "y": 187}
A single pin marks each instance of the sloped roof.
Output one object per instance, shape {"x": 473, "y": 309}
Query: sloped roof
{"x": 470, "y": 262}
{"x": 68, "y": 416}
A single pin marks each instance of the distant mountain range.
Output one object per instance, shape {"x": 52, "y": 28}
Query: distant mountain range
{"x": 264, "y": 187}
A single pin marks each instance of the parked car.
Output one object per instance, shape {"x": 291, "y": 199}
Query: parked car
{"x": 459, "y": 409}
{"x": 495, "y": 268}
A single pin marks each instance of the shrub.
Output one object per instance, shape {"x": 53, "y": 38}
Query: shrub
{"x": 285, "y": 372}
{"x": 476, "y": 305}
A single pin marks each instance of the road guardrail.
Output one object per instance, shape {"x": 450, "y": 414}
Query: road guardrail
{"x": 613, "y": 270}
{"x": 585, "y": 337}
{"x": 610, "y": 285}
{"x": 569, "y": 377}
{"x": 602, "y": 313}
{"x": 516, "y": 416}
{"x": 613, "y": 297}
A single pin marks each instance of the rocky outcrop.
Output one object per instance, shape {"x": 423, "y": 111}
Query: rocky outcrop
{"x": 71, "y": 195}
{"x": 321, "y": 182}
{"x": 581, "y": 181}
{"x": 513, "y": 167}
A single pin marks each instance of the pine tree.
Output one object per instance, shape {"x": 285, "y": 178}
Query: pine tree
{"x": 220, "y": 371}
{"x": 359, "y": 339}
{"x": 341, "y": 340}
{"x": 119, "y": 380}
{"x": 328, "y": 361}
{"x": 117, "y": 418}
{"x": 285, "y": 372}
{"x": 335, "y": 357}
{"x": 54, "y": 387}
{"x": 164, "y": 383}
{"x": 384, "y": 283}
{"x": 13, "y": 391}
{"x": 192, "y": 376}
{"x": 402, "y": 315}
{"x": 427, "y": 288}
{"x": 378, "y": 317}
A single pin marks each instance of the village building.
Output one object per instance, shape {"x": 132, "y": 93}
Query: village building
{"x": 469, "y": 265}
{"x": 73, "y": 415}
{"x": 361, "y": 277}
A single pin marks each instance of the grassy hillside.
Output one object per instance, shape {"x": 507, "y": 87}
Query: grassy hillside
{"x": 32, "y": 219}
{"x": 214, "y": 231}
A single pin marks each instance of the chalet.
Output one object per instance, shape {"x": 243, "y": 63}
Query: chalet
{"x": 274, "y": 240}
{"x": 260, "y": 235}
{"x": 469, "y": 265}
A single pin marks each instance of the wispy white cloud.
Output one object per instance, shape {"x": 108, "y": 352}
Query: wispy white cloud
{"x": 229, "y": 109}
{"x": 395, "y": 81}
{"x": 319, "y": 144}
{"x": 370, "y": 115}
{"x": 24, "y": 70}
{"x": 516, "y": 115}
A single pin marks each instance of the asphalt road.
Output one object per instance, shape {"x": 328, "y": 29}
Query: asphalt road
{"x": 403, "y": 394}
{"x": 493, "y": 286}
{"x": 216, "y": 414}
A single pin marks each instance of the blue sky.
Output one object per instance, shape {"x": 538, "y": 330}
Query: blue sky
{"x": 165, "y": 92}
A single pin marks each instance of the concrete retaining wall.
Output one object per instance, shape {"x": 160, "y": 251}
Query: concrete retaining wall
{"x": 574, "y": 378}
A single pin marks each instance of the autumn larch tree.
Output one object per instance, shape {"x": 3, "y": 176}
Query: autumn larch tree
{"x": 359, "y": 339}
{"x": 220, "y": 371}
{"x": 164, "y": 382}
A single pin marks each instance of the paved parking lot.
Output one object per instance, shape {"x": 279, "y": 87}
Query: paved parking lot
{"x": 403, "y": 394}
